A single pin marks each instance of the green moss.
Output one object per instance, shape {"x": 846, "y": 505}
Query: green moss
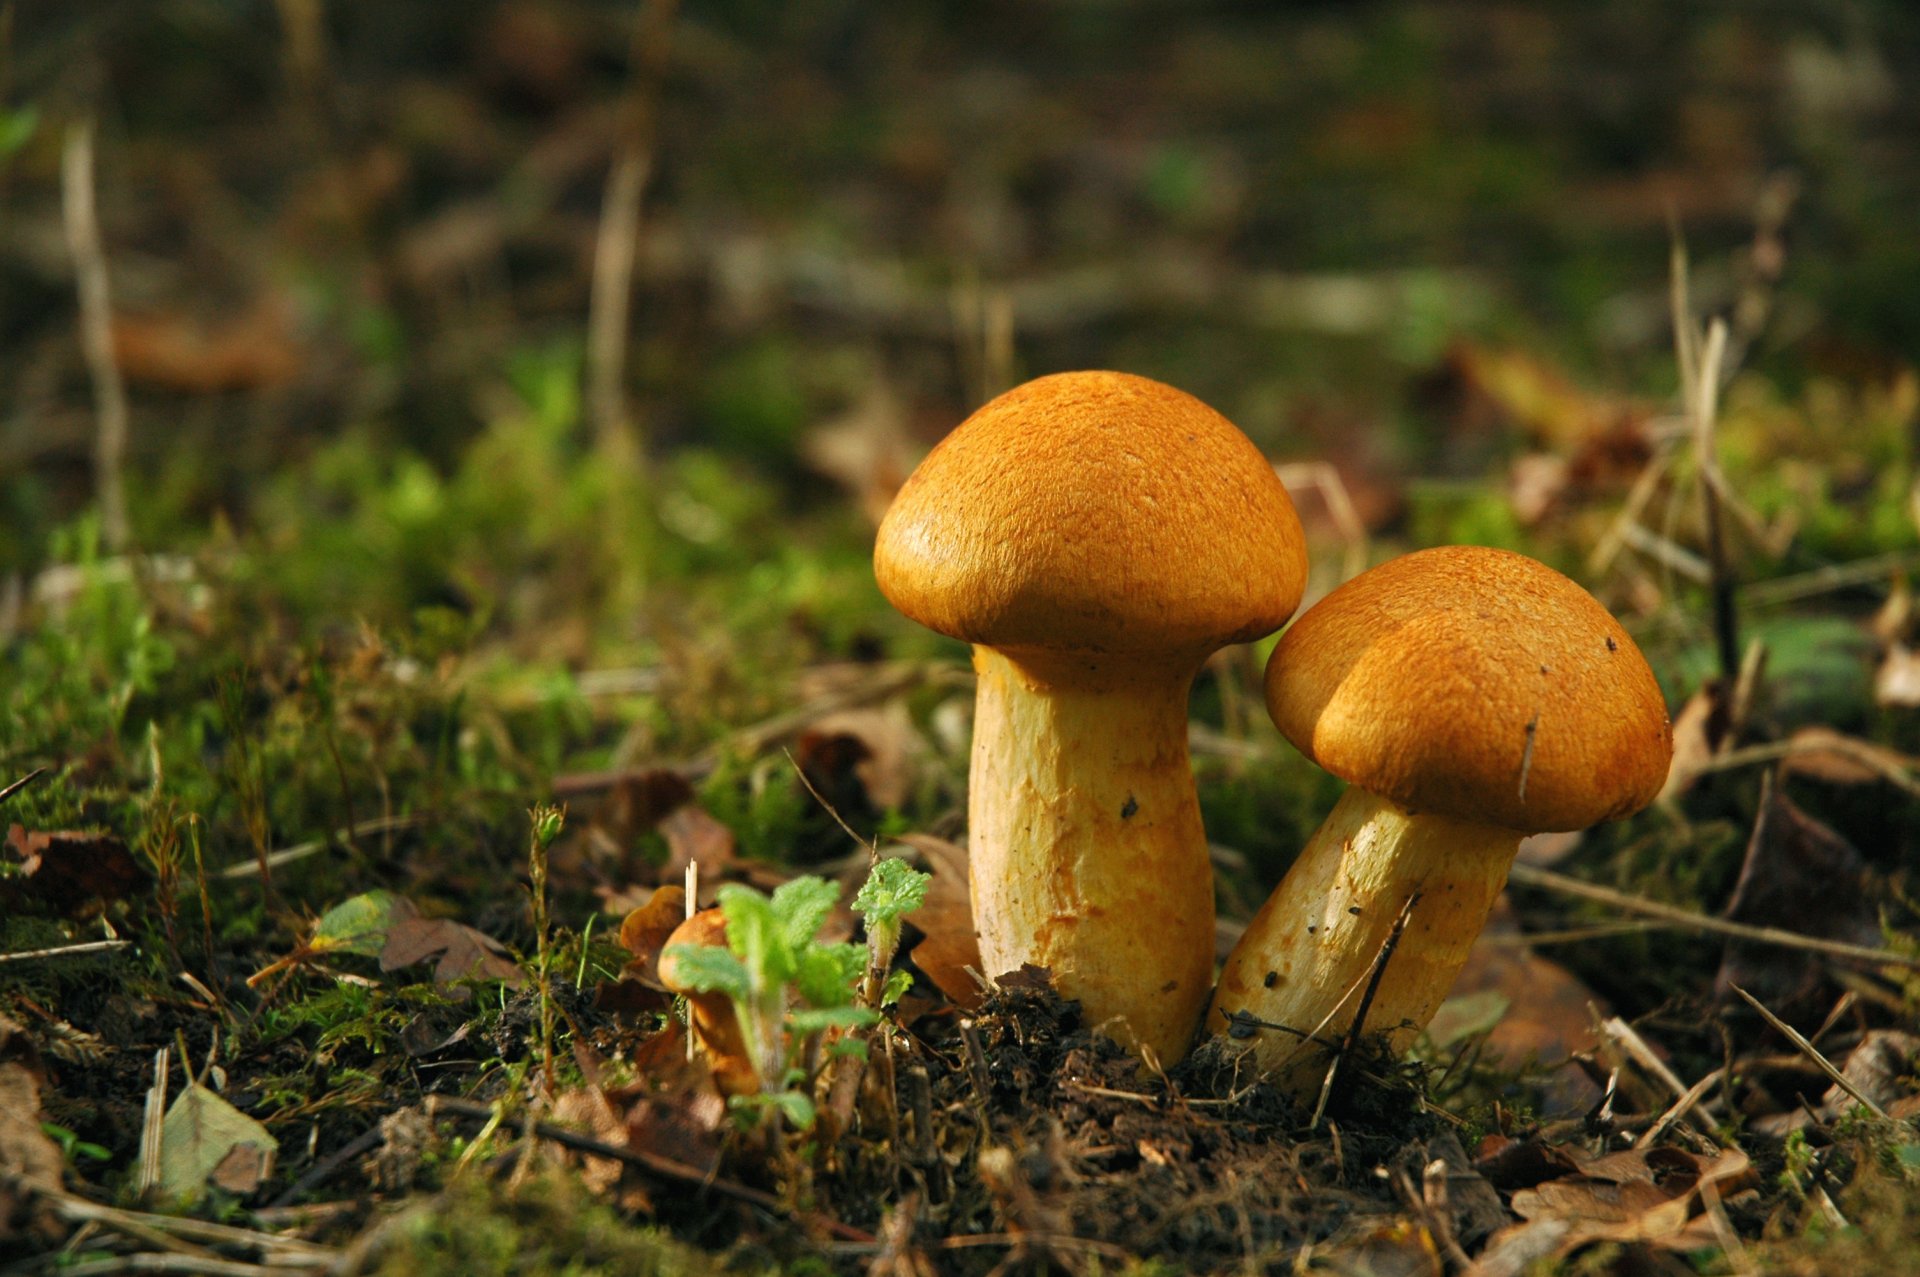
{"x": 548, "y": 1224}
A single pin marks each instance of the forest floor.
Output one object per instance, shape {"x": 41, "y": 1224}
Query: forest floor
{"x": 366, "y": 714}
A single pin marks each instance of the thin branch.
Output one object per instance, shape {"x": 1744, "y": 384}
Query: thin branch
{"x": 1546, "y": 879}
{"x": 1812, "y": 1052}
{"x": 21, "y": 784}
{"x": 610, "y": 305}
{"x": 67, "y": 951}
{"x": 96, "y": 332}
{"x": 1374, "y": 976}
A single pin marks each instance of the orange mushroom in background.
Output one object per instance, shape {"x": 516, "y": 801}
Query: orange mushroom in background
{"x": 1095, "y": 536}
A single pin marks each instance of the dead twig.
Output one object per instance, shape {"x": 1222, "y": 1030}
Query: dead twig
{"x": 1354, "y": 1030}
{"x": 1546, "y": 879}
{"x": 610, "y": 304}
{"x": 67, "y": 951}
{"x": 1812, "y": 1052}
{"x": 96, "y": 332}
{"x": 1680, "y": 1108}
{"x": 22, "y": 783}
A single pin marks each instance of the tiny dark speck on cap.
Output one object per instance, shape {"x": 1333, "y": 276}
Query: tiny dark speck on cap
{"x": 1354, "y": 910}
{"x": 1611, "y": 645}
{"x": 1128, "y": 808}
{"x": 1273, "y": 978}
{"x": 1169, "y": 986}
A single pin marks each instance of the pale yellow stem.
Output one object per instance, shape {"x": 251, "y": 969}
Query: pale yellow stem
{"x": 1088, "y": 856}
{"x": 1305, "y": 959}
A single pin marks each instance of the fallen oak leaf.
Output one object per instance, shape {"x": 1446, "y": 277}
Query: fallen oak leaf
{"x": 68, "y": 870}
{"x": 643, "y": 933}
{"x": 464, "y": 953}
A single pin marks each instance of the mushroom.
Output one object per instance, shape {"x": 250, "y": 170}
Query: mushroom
{"x": 1095, "y": 536}
{"x": 710, "y": 1016}
{"x": 1470, "y": 697}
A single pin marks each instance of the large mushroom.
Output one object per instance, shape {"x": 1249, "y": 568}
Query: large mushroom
{"x": 1470, "y": 697}
{"x": 1095, "y": 536}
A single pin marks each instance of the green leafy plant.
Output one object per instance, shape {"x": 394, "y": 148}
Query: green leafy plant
{"x": 892, "y": 890}
{"x": 788, "y": 990}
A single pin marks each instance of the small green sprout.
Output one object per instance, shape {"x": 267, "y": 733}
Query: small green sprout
{"x": 891, "y": 892}
{"x": 788, "y": 989}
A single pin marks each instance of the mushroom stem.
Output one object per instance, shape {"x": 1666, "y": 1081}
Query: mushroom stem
{"x": 1307, "y": 954}
{"x": 1088, "y": 855}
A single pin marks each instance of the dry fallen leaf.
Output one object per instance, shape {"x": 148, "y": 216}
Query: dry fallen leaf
{"x": 887, "y": 761}
{"x": 464, "y": 953}
{"x": 869, "y": 451}
{"x": 69, "y": 870}
{"x": 694, "y": 837}
{"x": 175, "y": 351}
{"x": 949, "y": 948}
{"x": 199, "y": 1139}
{"x": 1699, "y": 729}
{"x": 1543, "y": 1010}
{"x": 1820, "y": 753}
{"x": 1645, "y": 1196}
{"x": 1800, "y": 875}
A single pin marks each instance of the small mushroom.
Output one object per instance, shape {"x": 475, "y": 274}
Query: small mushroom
{"x": 1095, "y": 536}
{"x": 1470, "y": 697}
{"x": 710, "y": 1016}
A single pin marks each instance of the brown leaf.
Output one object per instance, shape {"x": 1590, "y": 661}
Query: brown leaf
{"x": 464, "y": 953}
{"x": 638, "y": 801}
{"x": 1509, "y": 1164}
{"x": 1800, "y": 875}
{"x": 587, "y": 1109}
{"x": 1880, "y": 1068}
{"x": 887, "y": 758}
{"x": 1636, "y": 1195}
{"x": 69, "y": 870}
{"x": 869, "y": 451}
{"x": 643, "y": 933}
{"x": 949, "y": 946}
{"x": 694, "y": 837}
{"x": 684, "y": 1128}
{"x": 242, "y": 1169}
{"x": 1547, "y": 1017}
{"x": 179, "y": 352}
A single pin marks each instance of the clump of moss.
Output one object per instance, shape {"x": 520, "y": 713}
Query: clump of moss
{"x": 546, "y": 1224}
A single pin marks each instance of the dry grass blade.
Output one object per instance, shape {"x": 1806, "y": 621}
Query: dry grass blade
{"x": 1680, "y": 1108}
{"x": 1354, "y": 1030}
{"x": 346, "y": 834}
{"x": 67, "y": 951}
{"x": 155, "y": 1114}
{"x": 1812, "y": 1052}
{"x": 1546, "y": 879}
{"x": 21, "y": 784}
